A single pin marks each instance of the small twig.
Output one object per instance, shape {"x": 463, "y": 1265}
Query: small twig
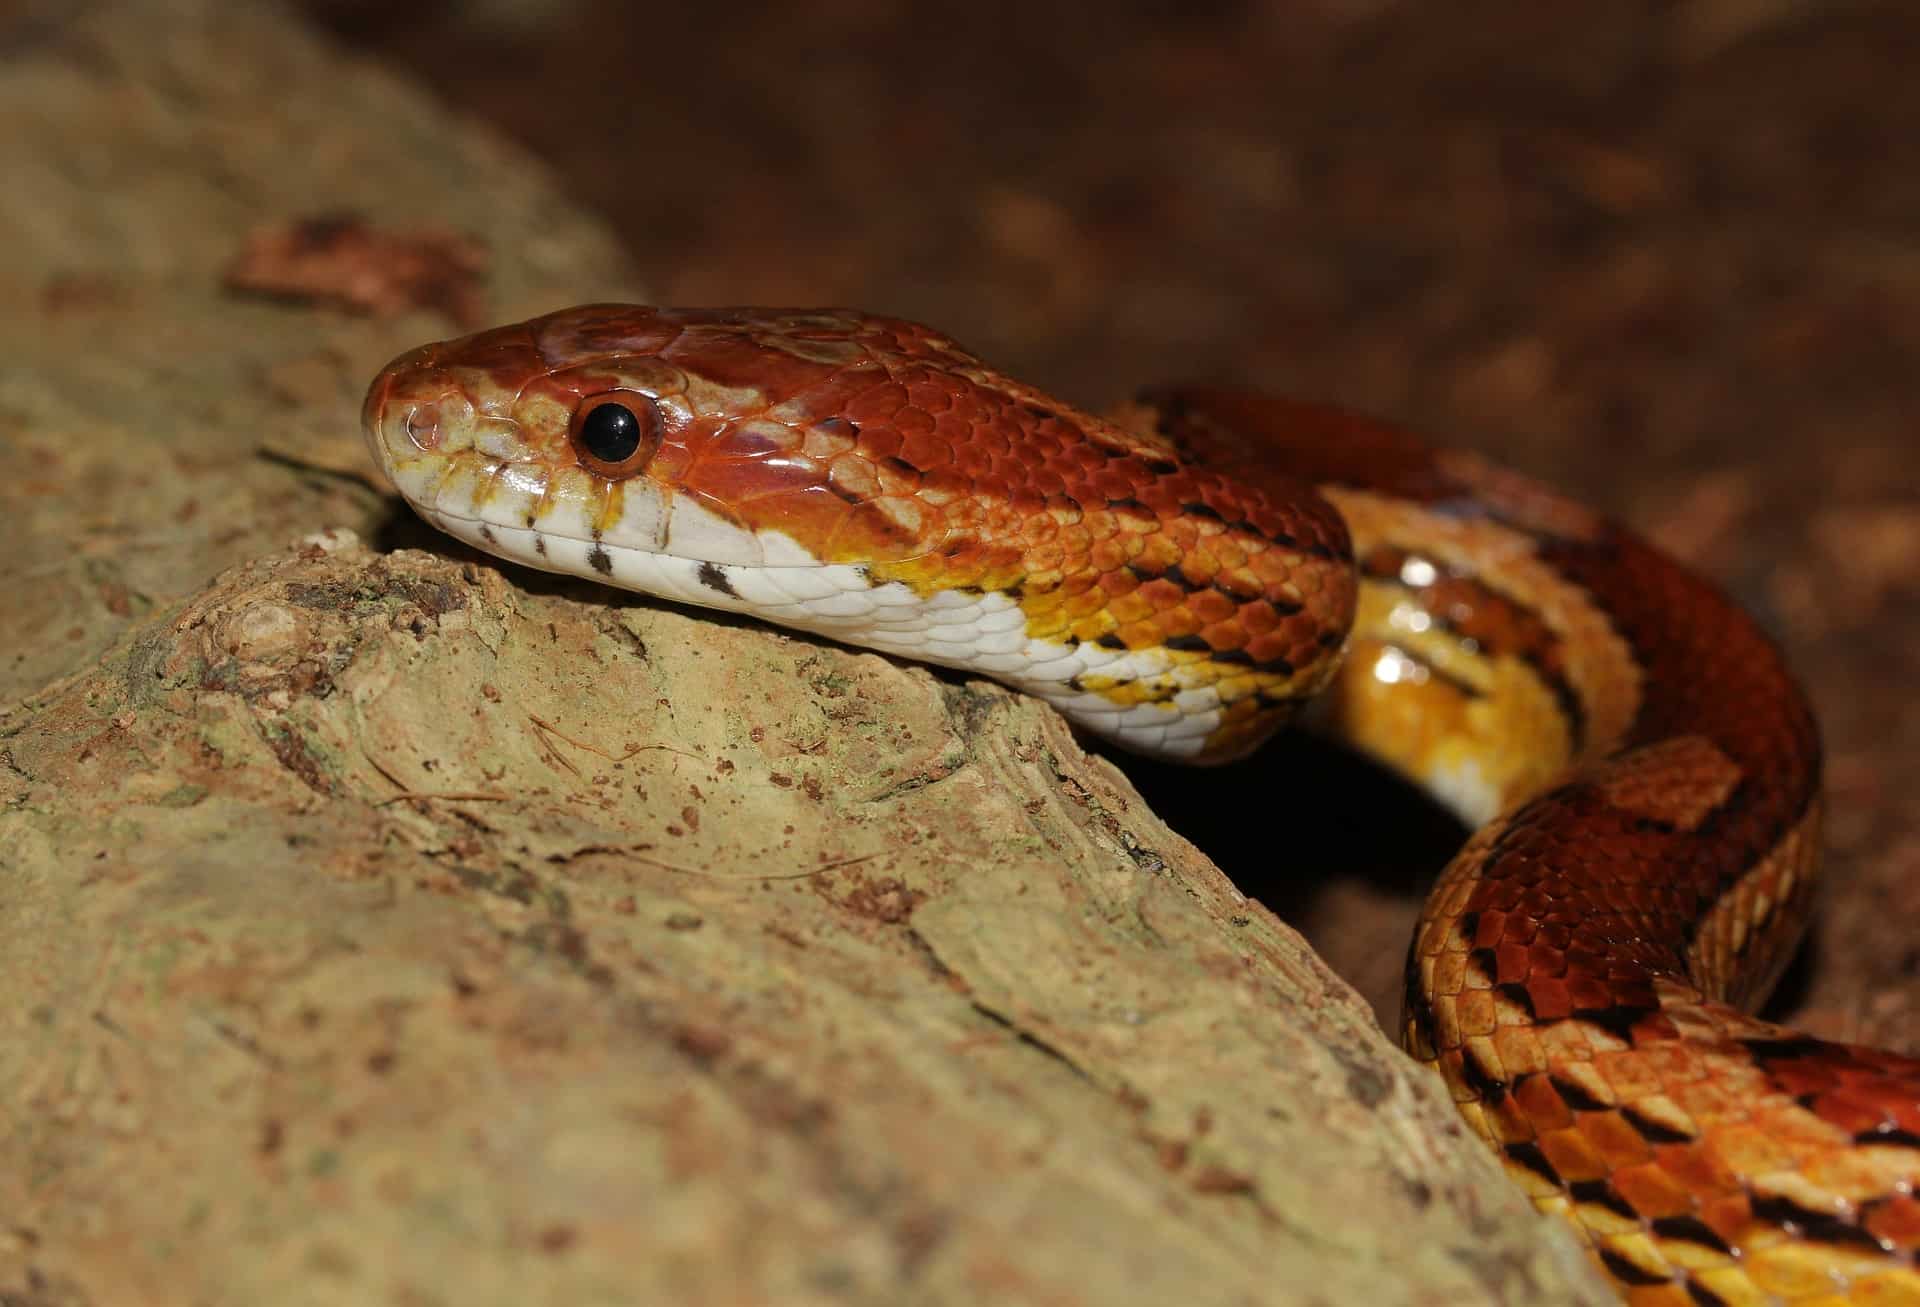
{"x": 548, "y": 727}
{"x": 477, "y": 795}
{"x": 837, "y": 862}
{"x": 541, "y": 729}
{"x": 628, "y": 851}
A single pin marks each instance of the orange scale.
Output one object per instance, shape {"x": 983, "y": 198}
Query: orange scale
{"x": 1159, "y": 495}
{"x": 1896, "y": 1217}
{"x": 1056, "y": 463}
{"x": 1075, "y": 545}
{"x": 879, "y": 441}
{"x": 1042, "y": 484}
{"x": 1042, "y": 594}
{"x": 1179, "y": 622}
{"x": 1221, "y": 636}
{"x": 954, "y": 428}
{"x": 1540, "y": 1105}
{"x": 914, "y": 422}
{"x": 932, "y": 396}
{"x": 1549, "y": 997}
{"x": 1044, "y": 555}
{"x": 1163, "y": 595}
{"x": 967, "y": 463}
{"x": 1073, "y": 563}
{"x": 1306, "y": 584}
{"x": 1089, "y": 629}
{"x": 1275, "y": 648}
{"x": 1512, "y": 962}
{"x": 1200, "y": 555}
{"x": 1508, "y": 1122}
{"x": 894, "y": 481}
{"x": 930, "y": 459}
{"x": 1089, "y": 456}
{"x": 1199, "y": 575}
{"x": 812, "y": 517}
{"x": 748, "y": 494}
{"x": 1278, "y": 566}
{"x": 1190, "y": 489}
{"x": 1064, "y": 509}
{"x": 1009, "y": 455}
{"x": 1133, "y": 611}
{"x": 962, "y": 574}
{"x": 1757, "y": 1149}
{"x": 1260, "y": 618}
{"x": 1491, "y": 927}
{"x": 1047, "y": 626}
{"x": 1703, "y": 1101}
{"x": 1109, "y": 555}
{"x": 1211, "y": 607}
{"x": 998, "y": 439}
{"x": 876, "y": 403}
{"x": 1233, "y": 557}
{"x": 1240, "y": 582}
{"x": 1572, "y": 1154}
{"x": 1086, "y": 602}
{"x": 938, "y": 483}
{"x": 1158, "y": 557}
{"x": 1047, "y": 484}
{"x": 1721, "y": 1206}
{"x": 1306, "y": 655}
{"x": 1851, "y": 1109}
{"x": 1075, "y": 481}
{"x": 1007, "y": 560}
{"x": 1616, "y": 1140}
{"x": 1590, "y": 992}
{"x": 1657, "y": 1029}
{"x": 1805, "y": 1075}
{"x": 854, "y": 475}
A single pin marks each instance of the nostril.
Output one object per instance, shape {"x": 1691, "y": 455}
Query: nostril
{"x": 422, "y": 424}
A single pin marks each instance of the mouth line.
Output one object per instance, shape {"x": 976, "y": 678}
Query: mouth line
{"x": 600, "y": 542}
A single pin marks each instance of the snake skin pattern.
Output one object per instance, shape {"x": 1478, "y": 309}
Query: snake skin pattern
{"x": 1641, "y": 768}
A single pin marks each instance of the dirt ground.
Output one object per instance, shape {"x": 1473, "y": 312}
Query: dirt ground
{"x": 1663, "y": 254}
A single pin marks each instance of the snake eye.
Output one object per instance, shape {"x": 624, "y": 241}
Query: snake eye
{"x": 615, "y": 434}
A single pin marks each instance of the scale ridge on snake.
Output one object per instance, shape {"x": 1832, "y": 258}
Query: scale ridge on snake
{"x": 1642, "y": 769}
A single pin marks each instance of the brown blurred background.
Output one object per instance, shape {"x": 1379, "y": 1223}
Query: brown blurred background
{"x": 1665, "y": 254}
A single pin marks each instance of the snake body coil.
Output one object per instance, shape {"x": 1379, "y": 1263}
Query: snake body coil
{"x": 1642, "y": 769}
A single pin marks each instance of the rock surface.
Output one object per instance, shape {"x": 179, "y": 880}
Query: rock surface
{"x": 383, "y": 926}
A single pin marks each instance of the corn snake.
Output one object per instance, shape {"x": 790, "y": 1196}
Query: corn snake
{"x": 1640, "y": 765}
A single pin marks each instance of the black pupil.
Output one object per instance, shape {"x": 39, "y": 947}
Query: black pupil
{"x": 611, "y": 433}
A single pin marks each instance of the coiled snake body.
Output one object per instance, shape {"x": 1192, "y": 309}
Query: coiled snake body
{"x": 1642, "y": 769}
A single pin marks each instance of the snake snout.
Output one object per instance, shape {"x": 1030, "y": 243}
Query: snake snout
{"x": 413, "y": 408}
{"x": 372, "y": 421}
{"x": 402, "y": 415}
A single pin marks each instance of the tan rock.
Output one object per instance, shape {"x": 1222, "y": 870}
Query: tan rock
{"x": 383, "y": 927}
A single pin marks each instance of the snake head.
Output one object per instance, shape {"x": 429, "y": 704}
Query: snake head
{"x": 617, "y": 441}
{"x": 868, "y": 479}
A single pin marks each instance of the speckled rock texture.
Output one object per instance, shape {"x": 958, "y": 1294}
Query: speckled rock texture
{"x": 379, "y": 925}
